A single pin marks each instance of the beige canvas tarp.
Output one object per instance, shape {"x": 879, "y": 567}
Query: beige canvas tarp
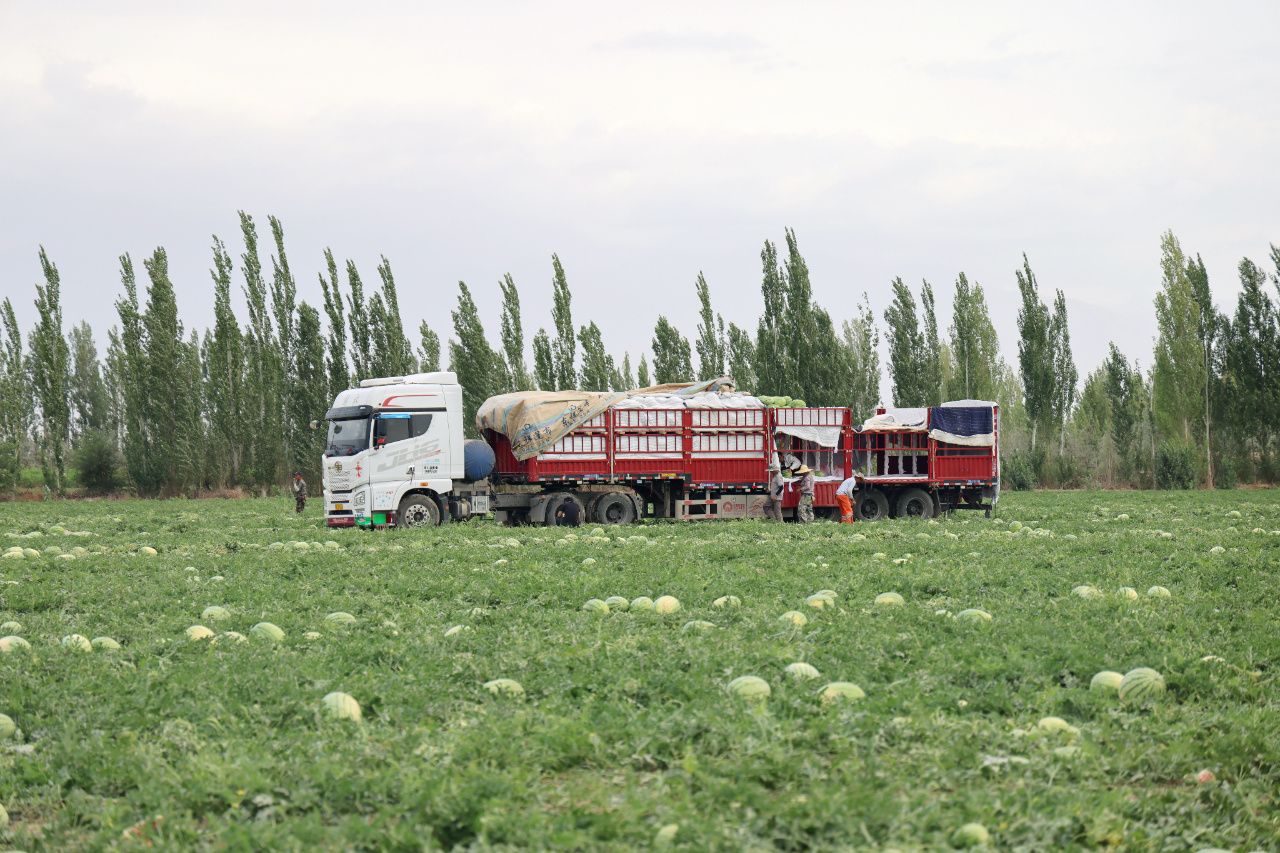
{"x": 534, "y": 420}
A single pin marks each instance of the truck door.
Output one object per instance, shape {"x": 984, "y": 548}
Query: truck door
{"x": 408, "y": 447}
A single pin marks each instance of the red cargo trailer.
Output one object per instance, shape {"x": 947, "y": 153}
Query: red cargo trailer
{"x": 694, "y": 463}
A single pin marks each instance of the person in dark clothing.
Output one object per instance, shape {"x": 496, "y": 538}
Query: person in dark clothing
{"x": 299, "y": 491}
{"x": 568, "y": 514}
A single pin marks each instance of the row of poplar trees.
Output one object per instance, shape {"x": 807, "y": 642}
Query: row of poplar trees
{"x": 168, "y": 410}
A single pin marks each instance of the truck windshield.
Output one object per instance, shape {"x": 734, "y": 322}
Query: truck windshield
{"x": 348, "y": 437}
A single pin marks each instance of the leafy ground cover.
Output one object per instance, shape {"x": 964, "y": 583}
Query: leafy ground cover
{"x": 625, "y": 735}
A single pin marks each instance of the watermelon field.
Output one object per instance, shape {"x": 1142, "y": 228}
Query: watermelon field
{"x": 490, "y": 703}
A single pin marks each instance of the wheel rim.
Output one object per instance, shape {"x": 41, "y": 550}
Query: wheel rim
{"x": 418, "y": 515}
{"x": 615, "y": 512}
{"x": 869, "y": 509}
{"x": 915, "y": 508}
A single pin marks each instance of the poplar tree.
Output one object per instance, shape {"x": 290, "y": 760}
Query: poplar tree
{"x": 225, "y": 371}
{"x": 15, "y": 395}
{"x": 643, "y": 380}
{"x": 1035, "y": 353}
{"x": 87, "y": 395}
{"x": 512, "y": 334}
{"x": 1209, "y": 331}
{"x": 310, "y": 391}
{"x": 128, "y": 373}
{"x": 1252, "y": 364}
{"x": 862, "y": 344}
{"x": 262, "y": 405}
{"x": 191, "y": 439}
{"x": 284, "y": 293}
{"x": 1179, "y": 373}
{"x": 428, "y": 349}
{"x": 711, "y": 337}
{"x": 741, "y": 357}
{"x": 392, "y": 352}
{"x": 50, "y": 374}
{"x": 1065, "y": 375}
{"x": 770, "y": 369}
{"x": 672, "y": 358}
{"x": 336, "y": 359}
{"x": 597, "y": 364}
{"x": 624, "y": 379}
{"x": 974, "y": 345}
{"x": 906, "y": 348}
{"x": 931, "y": 354}
{"x": 544, "y": 364}
{"x": 564, "y": 347}
{"x": 164, "y": 400}
{"x": 473, "y": 359}
{"x": 358, "y": 323}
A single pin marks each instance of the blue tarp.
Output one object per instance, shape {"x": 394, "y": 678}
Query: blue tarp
{"x": 962, "y": 421}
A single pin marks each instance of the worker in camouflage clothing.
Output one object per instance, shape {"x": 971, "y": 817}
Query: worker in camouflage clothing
{"x": 773, "y": 502}
{"x": 804, "y": 509}
{"x": 299, "y": 491}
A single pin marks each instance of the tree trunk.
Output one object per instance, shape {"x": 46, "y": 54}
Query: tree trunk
{"x": 1208, "y": 452}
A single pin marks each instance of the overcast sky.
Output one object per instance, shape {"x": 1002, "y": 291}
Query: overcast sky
{"x": 643, "y": 146}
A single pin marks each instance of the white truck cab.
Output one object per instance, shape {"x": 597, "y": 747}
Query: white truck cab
{"x": 395, "y": 454}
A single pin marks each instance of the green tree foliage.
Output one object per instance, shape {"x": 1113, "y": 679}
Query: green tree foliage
{"x": 225, "y": 376}
{"x": 1065, "y": 375}
{"x": 740, "y": 356}
{"x": 164, "y": 394}
{"x": 597, "y": 365}
{"x": 310, "y": 391}
{"x": 711, "y": 337}
{"x": 392, "y": 354}
{"x": 624, "y": 379}
{"x": 261, "y": 410}
{"x": 97, "y": 462}
{"x": 931, "y": 356}
{"x": 770, "y": 367}
{"x": 15, "y": 393}
{"x": 908, "y": 352}
{"x": 1209, "y": 332}
{"x": 512, "y": 333}
{"x": 974, "y": 345}
{"x": 564, "y": 347}
{"x": 50, "y": 377}
{"x": 284, "y": 296}
{"x": 544, "y": 362}
{"x": 643, "y": 380}
{"x": 87, "y": 393}
{"x": 428, "y": 348}
{"x": 1035, "y": 354}
{"x": 1124, "y": 391}
{"x": 862, "y": 346}
{"x": 336, "y": 359}
{"x": 479, "y": 368}
{"x": 358, "y": 322}
{"x": 1179, "y": 374}
{"x": 127, "y": 376}
{"x": 672, "y": 358}
{"x": 1251, "y": 366}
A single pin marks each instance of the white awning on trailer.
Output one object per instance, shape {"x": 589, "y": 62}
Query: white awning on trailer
{"x": 897, "y": 420}
{"x": 824, "y": 436}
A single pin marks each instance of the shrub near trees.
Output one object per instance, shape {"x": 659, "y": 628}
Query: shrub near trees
{"x": 166, "y": 410}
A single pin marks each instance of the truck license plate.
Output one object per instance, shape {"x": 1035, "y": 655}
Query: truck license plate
{"x": 480, "y": 504}
{"x": 339, "y": 506}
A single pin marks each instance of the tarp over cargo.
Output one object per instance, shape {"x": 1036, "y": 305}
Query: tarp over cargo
{"x": 534, "y": 420}
{"x": 897, "y": 420}
{"x": 971, "y": 425}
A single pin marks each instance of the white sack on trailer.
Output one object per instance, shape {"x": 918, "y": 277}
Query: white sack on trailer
{"x": 825, "y": 436}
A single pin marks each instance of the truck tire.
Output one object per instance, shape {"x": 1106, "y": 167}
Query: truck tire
{"x": 418, "y": 511}
{"x": 871, "y": 505}
{"x": 614, "y": 508}
{"x": 553, "y": 503}
{"x": 915, "y": 503}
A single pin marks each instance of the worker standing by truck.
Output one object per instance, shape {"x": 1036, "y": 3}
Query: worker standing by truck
{"x": 804, "y": 509}
{"x": 773, "y": 501}
{"x": 299, "y": 491}
{"x": 844, "y": 499}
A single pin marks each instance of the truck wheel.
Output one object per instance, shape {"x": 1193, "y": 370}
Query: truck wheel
{"x": 418, "y": 511}
{"x": 553, "y": 504}
{"x": 872, "y": 505}
{"x": 915, "y": 503}
{"x": 614, "y": 508}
